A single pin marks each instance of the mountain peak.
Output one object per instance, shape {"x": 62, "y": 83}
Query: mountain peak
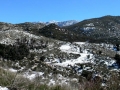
{"x": 63, "y": 23}
{"x": 53, "y": 21}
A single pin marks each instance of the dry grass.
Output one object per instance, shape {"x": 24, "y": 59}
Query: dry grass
{"x": 15, "y": 80}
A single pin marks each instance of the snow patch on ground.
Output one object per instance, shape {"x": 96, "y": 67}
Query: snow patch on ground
{"x": 65, "y": 47}
{"x": 82, "y": 59}
{"x": 68, "y": 48}
{"x": 3, "y": 88}
{"x": 109, "y": 63}
{"x": 32, "y": 75}
{"x": 80, "y": 43}
{"x": 61, "y": 80}
{"x": 12, "y": 70}
{"x": 52, "y": 82}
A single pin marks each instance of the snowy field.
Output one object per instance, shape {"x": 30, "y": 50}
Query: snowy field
{"x": 84, "y": 57}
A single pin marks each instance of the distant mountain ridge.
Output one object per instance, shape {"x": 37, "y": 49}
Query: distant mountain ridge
{"x": 62, "y": 23}
{"x": 35, "y": 25}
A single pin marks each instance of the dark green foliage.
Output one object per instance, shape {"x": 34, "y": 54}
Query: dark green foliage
{"x": 31, "y": 27}
{"x": 117, "y": 58}
{"x": 56, "y": 32}
{"x": 42, "y": 58}
{"x": 103, "y": 29}
{"x": 14, "y": 52}
{"x": 100, "y": 52}
{"x": 117, "y": 47}
{"x": 31, "y": 56}
{"x": 87, "y": 74}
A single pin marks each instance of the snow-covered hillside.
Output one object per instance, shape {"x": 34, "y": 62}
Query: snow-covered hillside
{"x": 9, "y": 36}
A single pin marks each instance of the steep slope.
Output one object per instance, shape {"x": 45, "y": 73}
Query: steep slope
{"x": 105, "y": 29}
{"x": 56, "y": 32}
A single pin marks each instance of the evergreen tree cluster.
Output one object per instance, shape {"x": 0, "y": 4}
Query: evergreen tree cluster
{"x": 14, "y": 52}
{"x": 117, "y": 58}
